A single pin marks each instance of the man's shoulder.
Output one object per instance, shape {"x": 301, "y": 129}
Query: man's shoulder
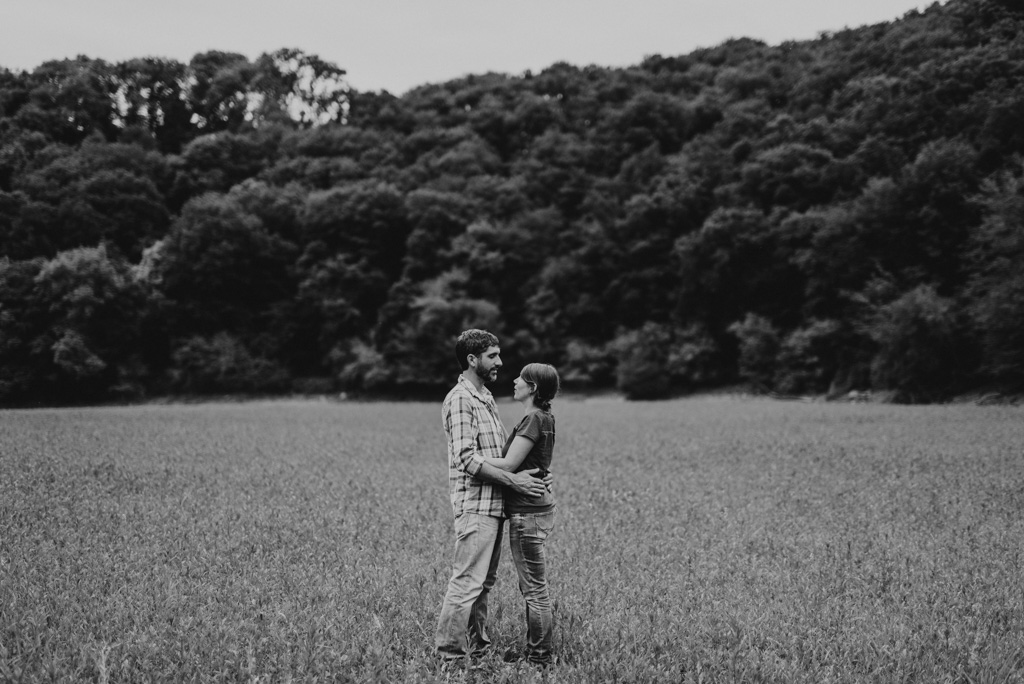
{"x": 458, "y": 395}
{"x": 457, "y": 390}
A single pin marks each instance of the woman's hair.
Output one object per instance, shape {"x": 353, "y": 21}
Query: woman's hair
{"x": 544, "y": 379}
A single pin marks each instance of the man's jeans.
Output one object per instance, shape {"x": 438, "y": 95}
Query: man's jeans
{"x": 475, "y": 567}
{"x": 526, "y": 533}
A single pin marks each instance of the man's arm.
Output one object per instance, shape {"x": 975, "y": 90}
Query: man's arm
{"x": 513, "y": 459}
{"x": 463, "y": 431}
{"x": 521, "y": 483}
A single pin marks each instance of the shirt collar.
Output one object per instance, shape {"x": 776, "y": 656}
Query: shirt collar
{"x": 483, "y": 394}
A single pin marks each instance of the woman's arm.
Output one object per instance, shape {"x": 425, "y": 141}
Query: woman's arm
{"x": 517, "y": 451}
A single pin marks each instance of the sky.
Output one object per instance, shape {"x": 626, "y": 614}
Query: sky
{"x": 395, "y": 45}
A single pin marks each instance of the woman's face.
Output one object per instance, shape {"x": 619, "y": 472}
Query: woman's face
{"x": 521, "y": 389}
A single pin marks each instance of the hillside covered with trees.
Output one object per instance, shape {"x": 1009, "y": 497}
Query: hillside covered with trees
{"x": 813, "y": 217}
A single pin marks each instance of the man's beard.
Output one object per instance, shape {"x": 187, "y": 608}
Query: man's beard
{"x": 486, "y": 376}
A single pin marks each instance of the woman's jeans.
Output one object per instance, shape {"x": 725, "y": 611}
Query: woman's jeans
{"x": 462, "y": 625}
{"x": 527, "y": 532}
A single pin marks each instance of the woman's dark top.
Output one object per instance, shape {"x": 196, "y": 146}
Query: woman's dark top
{"x": 539, "y": 428}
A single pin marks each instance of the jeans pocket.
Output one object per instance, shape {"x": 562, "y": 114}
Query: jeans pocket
{"x": 545, "y": 523}
{"x": 465, "y": 525}
{"x": 532, "y": 525}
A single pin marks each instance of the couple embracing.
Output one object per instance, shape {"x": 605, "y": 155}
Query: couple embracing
{"x": 493, "y": 475}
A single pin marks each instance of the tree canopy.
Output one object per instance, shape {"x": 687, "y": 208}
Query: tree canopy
{"x": 817, "y": 216}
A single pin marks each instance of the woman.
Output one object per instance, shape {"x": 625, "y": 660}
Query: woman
{"x": 531, "y": 520}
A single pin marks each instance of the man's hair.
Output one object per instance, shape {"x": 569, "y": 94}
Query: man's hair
{"x": 544, "y": 379}
{"x": 474, "y": 342}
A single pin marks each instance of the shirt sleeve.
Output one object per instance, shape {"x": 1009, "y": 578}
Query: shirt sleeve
{"x": 531, "y": 428}
{"x": 464, "y": 429}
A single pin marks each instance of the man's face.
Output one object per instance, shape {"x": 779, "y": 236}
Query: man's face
{"x": 487, "y": 364}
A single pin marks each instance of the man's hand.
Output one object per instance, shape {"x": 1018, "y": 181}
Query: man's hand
{"x": 525, "y": 483}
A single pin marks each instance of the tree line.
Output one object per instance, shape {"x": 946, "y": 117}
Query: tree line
{"x": 844, "y": 213}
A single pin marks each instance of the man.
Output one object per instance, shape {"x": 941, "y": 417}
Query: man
{"x": 475, "y": 432}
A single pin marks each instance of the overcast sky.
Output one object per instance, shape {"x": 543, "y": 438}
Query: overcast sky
{"x": 398, "y": 44}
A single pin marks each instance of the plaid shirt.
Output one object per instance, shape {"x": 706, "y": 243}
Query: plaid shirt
{"x": 474, "y": 432}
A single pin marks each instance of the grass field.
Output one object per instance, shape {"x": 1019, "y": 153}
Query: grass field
{"x": 704, "y": 540}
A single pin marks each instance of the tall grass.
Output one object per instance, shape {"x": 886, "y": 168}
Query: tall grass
{"x": 700, "y": 540}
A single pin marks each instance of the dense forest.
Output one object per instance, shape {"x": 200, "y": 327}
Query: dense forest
{"x": 845, "y": 213}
